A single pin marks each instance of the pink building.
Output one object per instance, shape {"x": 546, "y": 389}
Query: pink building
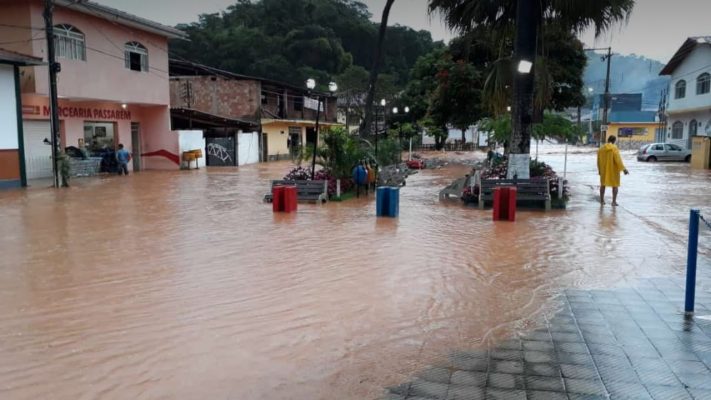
{"x": 113, "y": 86}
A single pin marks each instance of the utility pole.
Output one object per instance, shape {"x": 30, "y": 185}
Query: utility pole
{"x": 606, "y": 99}
{"x": 528, "y": 17}
{"x": 605, "y": 122}
{"x": 54, "y": 68}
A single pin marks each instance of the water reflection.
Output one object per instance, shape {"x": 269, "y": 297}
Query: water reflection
{"x": 185, "y": 285}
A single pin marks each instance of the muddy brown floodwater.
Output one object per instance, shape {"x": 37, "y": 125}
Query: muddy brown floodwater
{"x": 184, "y": 285}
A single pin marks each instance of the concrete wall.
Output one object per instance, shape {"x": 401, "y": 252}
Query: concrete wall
{"x": 695, "y": 64}
{"x": 248, "y": 147}
{"x": 103, "y": 76}
{"x": 217, "y": 96}
{"x": 192, "y": 140}
{"x": 636, "y": 141}
{"x": 8, "y": 108}
{"x": 276, "y": 141}
{"x": 9, "y": 152}
{"x": 703, "y": 121}
{"x": 159, "y": 145}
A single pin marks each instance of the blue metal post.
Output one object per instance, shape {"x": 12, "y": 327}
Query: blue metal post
{"x": 691, "y": 261}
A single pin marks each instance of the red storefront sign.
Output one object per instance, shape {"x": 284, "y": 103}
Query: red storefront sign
{"x": 81, "y": 112}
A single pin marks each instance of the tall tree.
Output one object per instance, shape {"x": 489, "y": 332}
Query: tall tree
{"x": 368, "y": 118}
{"x": 573, "y": 16}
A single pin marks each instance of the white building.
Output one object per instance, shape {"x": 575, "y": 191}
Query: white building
{"x": 689, "y": 107}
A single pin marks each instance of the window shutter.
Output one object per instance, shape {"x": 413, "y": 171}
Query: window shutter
{"x": 144, "y": 62}
{"x": 127, "y": 59}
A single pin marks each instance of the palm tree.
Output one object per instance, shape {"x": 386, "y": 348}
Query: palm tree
{"x": 368, "y": 117}
{"x": 500, "y": 15}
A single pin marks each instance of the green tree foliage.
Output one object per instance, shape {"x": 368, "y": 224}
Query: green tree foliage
{"x": 559, "y": 67}
{"x": 291, "y": 40}
{"x": 553, "y": 126}
{"x": 444, "y": 92}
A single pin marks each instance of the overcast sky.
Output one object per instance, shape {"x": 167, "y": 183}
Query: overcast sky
{"x": 656, "y": 29}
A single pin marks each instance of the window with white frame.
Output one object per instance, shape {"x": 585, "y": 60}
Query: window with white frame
{"x": 678, "y": 130}
{"x": 703, "y": 83}
{"x": 136, "y": 57}
{"x": 680, "y": 90}
{"x": 69, "y": 42}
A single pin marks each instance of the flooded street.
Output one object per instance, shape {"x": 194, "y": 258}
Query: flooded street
{"x": 182, "y": 285}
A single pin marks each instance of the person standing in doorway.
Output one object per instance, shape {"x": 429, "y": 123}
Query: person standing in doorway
{"x": 123, "y": 157}
{"x": 609, "y": 166}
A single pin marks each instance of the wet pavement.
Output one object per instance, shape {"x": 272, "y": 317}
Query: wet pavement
{"x": 632, "y": 343}
{"x": 184, "y": 285}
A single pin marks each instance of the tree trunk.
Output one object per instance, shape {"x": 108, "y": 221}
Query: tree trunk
{"x": 527, "y": 21}
{"x": 368, "y": 118}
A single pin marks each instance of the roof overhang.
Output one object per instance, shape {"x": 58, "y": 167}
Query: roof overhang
{"x": 681, "y": 54}
{"x": 186, "y": 118}
{"x": 18, "y": 59}
{"x": 183, "y": 69}
{"x": 299, "y": 122}
{"x": 121, "y": 17}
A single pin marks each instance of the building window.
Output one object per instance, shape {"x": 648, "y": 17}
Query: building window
{"x": 136, "y": 57}
{"x": 678, "y": 130}
{"x": 680, "y": 91}
{"x": 703, "y": 83}
{"x": 69, "y": 42}
{"x": 693, "y": 127}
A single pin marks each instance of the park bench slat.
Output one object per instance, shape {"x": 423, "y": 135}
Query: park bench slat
{"x": 526, "y": 190}
{"x": 306, "y": 191}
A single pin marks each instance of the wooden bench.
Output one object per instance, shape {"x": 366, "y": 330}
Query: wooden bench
{"x": 306, "y": 191}
{"x": 526, "y": 190}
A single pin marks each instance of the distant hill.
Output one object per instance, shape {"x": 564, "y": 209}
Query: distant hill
{"x": 628, "y": 74}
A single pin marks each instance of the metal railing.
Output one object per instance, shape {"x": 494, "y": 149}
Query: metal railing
{"x": 691, "y": 258}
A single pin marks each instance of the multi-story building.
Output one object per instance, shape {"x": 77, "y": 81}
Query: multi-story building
{"x": 688, "y": 112}
{"x": 113, "y": 85}
{"x": 284, "y": 114}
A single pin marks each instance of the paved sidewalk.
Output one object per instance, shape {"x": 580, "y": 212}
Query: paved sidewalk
{"x": 604, "y": 344}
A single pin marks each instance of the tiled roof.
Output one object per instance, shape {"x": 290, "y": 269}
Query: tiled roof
{"x": 681, "y": 54}
{"x": 122, "y": 17}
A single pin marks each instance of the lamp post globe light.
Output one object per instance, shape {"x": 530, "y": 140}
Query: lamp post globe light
{"x": 332, "y": 88}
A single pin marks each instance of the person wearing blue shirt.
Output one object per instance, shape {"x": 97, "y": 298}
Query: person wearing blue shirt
{"x": 123, "y": 157}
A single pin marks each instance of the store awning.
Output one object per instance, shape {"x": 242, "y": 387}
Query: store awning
{"x": 186, "y": 118}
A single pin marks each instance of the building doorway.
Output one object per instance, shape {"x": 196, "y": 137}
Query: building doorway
{"x": 38, "y": 151}
{"x": 136, "y": 145}
{"x": 265, "y": 148}
{"x": 311, "y": 136}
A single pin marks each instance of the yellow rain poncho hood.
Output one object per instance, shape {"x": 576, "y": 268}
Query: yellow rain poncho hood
{"x": 609, "y": 165}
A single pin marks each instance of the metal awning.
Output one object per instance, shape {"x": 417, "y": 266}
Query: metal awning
{"x": 186, "y": 118}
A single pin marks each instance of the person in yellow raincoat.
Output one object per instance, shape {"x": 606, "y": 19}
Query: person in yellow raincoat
{"x": 609, "y": 166}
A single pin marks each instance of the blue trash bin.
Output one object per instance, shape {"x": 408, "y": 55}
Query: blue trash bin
{"x": 381, "y": 200}
{"x": 387, "y": 201}
{"x": 393, "y": 206}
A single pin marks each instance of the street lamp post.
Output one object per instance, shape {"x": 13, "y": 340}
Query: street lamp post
{"x": 332, "y": 88}
{"x": 383, "y": 103}
{"x": 395, "y": 112}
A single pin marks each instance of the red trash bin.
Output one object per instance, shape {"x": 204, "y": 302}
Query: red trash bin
{"x": 504, "y": 203}
{"x": 278, "y": 198}
{"x": 291, "y": 199}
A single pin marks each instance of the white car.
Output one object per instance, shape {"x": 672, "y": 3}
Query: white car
{"x": 663, "y": 152}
